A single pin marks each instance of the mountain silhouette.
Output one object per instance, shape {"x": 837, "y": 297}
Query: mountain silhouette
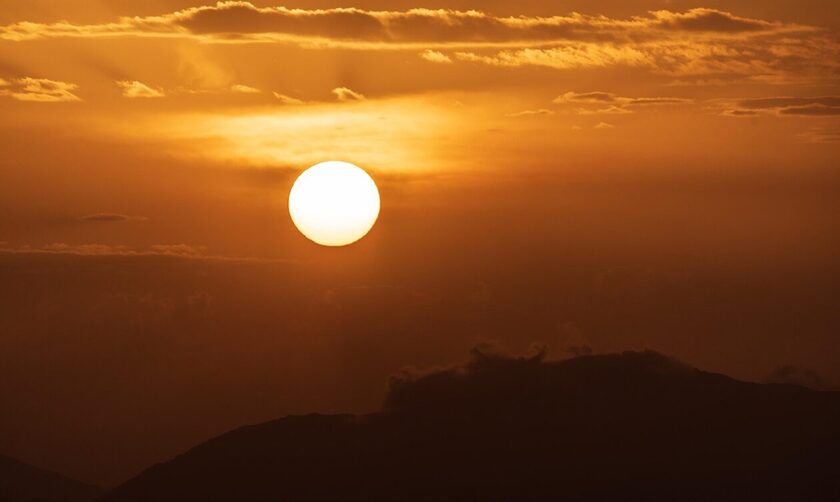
{"x": 630, "y": 426}
{"x": 20, "y": 482}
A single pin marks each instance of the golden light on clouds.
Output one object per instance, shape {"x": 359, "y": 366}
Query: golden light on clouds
{"x": 39, "y": 90}
{"x": 396, "y": 135}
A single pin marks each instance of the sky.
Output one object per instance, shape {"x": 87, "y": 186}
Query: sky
{"x": 584, "y": 175}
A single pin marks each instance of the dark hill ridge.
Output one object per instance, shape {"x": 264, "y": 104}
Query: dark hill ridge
{"x": 631, "y": 426}
{"x": 21, "y": 482}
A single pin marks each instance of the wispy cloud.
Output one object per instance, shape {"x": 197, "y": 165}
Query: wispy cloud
{"x": 135, "y": 89}
{"x": 244, "y": 89}
{"x": 819, "y": 106}
{"x": 288, "y": 100}
{"x": 606, "y": 103}
{"x": 532, "y": 113}
{"x": 39, "y": 90}
{"x": 97, "y": 249}
{"x": 345, "y": 94}
{"x": 110, "y": 218}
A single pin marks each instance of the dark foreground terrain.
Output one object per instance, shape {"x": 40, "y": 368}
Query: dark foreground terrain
{"x": 23, "y": 482}
{"x": 632, "y": 426}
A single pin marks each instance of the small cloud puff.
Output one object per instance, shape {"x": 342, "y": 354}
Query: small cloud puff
{"x": 435, "y": 57}
{"x": 244, "y": 89}
{"x": 287, "y": 100}
{"x": 134, "y": 89}
{"x": 345, "y": 94}
{"x": 604, "y": 125}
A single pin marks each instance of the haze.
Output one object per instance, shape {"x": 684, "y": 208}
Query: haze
{"x": 591, "y": 176}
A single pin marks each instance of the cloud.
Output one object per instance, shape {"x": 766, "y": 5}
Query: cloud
{"x": 606, "y": 103}
{"x": 601, "y": 98}
{"x": 82, "y": 249}
{"x": 244, "y": 89}
{"x": 811, "y": 111}
{"x": 96, "y": 249}
{"x": 110, "y": 217}
{"x": 710, "y": 20}
{"x": 610, "y": 110}
{"x": 135, "y": 89}
{"x": 177, "y": 250}
{"x": 586, "y": 97}
{"x": 726, "y": 59}
{"x": 696, "y": 43}
{"x": 345, "y": 94}
{"x": 604, "y": 125}
{"x": 570, "y": 56}
{"x": 435, "y": 57}
{"x": 287, "y": 100}
{"x": 39, "y": 90}
{"x": 740, "y": 113}
{"x": 820, "y": 106}
{"x": 243, "y": 20}
{"x": 784, "y": 102}
{"x": 532, "y": 113}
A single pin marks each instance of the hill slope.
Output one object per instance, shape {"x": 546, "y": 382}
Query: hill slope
{"x": 22, "y": 482}
{"x": 625, "y": 427}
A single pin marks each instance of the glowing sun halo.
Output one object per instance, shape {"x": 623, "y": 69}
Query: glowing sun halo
{"x": 334, "y": 203}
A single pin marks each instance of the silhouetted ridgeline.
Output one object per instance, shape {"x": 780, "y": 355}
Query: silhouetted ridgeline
{"x": 22, "y": 482}
{"x": 621, "y": 427}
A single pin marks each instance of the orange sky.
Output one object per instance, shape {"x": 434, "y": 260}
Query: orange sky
{"x": 632, "y": 174}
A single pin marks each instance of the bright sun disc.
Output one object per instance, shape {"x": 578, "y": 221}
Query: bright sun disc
{"x": 334, "y": 203}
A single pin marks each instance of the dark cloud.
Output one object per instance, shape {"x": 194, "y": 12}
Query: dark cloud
{"x": 610, "y": 98}
{"x": 820, "y": 106}
{"x": 811, "y": 110}
{"x": 741, "y": 113}
{"x": 112, "y": 250}
{"x": 784, "y": 102}
{"x": 109, "y": 217}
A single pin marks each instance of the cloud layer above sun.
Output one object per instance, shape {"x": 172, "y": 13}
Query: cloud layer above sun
{"x": 696, "y": 42}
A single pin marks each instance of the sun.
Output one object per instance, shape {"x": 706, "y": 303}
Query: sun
{"x": 334, "y": 203}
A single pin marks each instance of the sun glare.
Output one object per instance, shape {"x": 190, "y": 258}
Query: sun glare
{"x": 334, "y": 203}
